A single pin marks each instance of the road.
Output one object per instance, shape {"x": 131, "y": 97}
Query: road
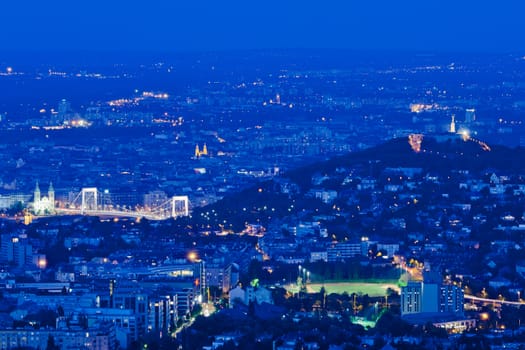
{"x": 486, "y": 300}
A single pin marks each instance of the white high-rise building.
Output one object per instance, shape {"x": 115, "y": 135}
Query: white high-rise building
{"x": 63, "y": 107}
{"x": 470, "y": 115}
{"x": 411, "y": 298}
{"x": 421, "y": 297}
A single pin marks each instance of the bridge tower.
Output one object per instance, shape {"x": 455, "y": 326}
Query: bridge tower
{"x": 89, "y": 199}
{"x": 179, "y": 206}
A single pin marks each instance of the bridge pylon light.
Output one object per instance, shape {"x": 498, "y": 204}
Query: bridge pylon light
{"x": 89, "y": 199}
{"x": 176, "y": 202}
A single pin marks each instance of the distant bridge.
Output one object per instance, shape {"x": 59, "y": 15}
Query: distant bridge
{"x": 90, "y": 201}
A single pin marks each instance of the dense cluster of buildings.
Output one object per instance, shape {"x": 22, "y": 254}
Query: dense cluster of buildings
{"x": 212, "y": 137}
{"x": 103, "y": 283}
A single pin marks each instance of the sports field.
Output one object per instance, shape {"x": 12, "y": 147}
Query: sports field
{"x": 373, "y": 289}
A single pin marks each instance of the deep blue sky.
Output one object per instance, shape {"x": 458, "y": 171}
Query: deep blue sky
{"x": 175, "y": 25}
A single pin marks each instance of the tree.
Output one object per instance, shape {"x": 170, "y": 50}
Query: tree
{"x": 251, "y": 309}
{"x": 43, "y": 318}
{"x": 392, "y": 324}
{"x": 229, "y": 345}
{"x": 60, "y": 311}
{"x": 322, "y": 293}
{"x": 510, "y": 316}
{"x": 254, "y": 270}
{"x": 16, "y": 208}
{"x": 51, "y": 343}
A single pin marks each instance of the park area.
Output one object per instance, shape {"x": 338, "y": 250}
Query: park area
{"x": 373, "y": 289}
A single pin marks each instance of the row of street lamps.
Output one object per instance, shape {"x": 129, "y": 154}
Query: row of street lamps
{"x": 304, "y": 277}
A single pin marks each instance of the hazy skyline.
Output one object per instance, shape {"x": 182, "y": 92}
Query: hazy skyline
{"x": 165, "y": 25}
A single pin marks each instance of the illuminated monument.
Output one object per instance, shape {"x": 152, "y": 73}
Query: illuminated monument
{"x": 44, "y": 205}
{"x": 452, "y": 128}
{"x": 199, "y": 153}
{"x": 415, "y": 141}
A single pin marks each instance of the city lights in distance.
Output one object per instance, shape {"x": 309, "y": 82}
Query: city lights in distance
{"x": 135, "y": 101}
{"x": 415, "y": 141}
{"x": 423, "y": 107}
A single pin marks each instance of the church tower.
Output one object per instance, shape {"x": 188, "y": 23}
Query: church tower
{"x": 51, "y": 196}
{"x": 197, "y": 151}
{"x": 37, "y": 194}
{"x": 204, "y": 150}
{"x": 453, "y": 124}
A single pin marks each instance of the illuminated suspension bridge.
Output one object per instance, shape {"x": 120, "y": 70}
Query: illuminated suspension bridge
{"x": 90, "y": 201}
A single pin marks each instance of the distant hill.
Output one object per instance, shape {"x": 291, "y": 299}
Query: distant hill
{"x": 263, "y": 201}
{"x": 434, "y": 157}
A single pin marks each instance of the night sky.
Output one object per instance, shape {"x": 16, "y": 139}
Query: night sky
{"x": 176, "y": 25}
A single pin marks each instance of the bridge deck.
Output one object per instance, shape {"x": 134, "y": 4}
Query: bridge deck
{"x": 115, "y": 213}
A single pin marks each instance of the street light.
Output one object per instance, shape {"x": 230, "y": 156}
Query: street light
{"x": 192, "y": 256}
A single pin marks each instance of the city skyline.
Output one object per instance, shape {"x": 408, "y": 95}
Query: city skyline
{"x": 262, "y": 175}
